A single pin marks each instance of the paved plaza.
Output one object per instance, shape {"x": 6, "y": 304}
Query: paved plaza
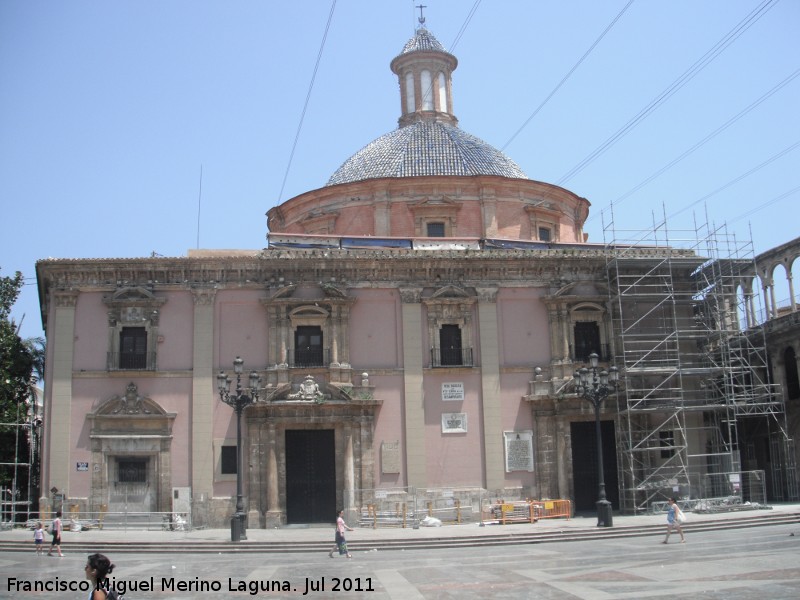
{"x": 714, "y": 563}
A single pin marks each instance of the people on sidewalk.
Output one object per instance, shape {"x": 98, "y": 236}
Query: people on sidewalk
{"x": 38, "y": 538}
{"x": 56, "y": 529}
{"x": 341, "y": 542}
{"x": 674, "y": 519}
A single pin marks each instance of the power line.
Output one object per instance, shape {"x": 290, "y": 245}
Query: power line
{"x": 466, "y": 24}
{"x": 706, "y": 139}
{"x": 674, "y": 87}
{"x": 568, "y": 75}
{"x": 765, "y": 204}
{"x": 308, "y": 97}
{"x": 772, "y": 159}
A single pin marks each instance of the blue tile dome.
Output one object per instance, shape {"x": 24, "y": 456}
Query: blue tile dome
{"x": 426, "y": 148}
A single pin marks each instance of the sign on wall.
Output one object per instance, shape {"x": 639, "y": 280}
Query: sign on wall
{"x": 454, "y": 422}
{"x": 82, "y": 466}
{"x": 453, "y": 390}
{"x": 519, "y": 450}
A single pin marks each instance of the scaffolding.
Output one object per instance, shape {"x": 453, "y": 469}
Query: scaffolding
{"x": 695, "y": 371}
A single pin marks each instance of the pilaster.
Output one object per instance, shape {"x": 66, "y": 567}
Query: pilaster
{"x": 414, "y": 401}
{"x": 202, "y": 467}
{"x": 490, "y": 389}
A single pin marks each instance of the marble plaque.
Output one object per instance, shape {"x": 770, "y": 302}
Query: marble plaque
{"x": 454, "y": 422}
{"x": 390, "y": 457}
{"x": 519, "y": 450}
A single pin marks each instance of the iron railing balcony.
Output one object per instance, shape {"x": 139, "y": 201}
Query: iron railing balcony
{"x": 451, "y": 357}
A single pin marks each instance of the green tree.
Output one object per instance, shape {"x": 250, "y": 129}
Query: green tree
{"x": 16, "y": 368}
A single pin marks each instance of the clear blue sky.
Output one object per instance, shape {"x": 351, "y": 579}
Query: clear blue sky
{"x": 108, "y": 110}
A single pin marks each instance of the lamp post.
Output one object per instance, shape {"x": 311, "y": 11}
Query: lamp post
{"x": 595, "y": 385}
{"x": 238, "y": 401}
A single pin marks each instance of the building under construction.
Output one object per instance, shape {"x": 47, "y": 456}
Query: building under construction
{"x": 698, "y": 414}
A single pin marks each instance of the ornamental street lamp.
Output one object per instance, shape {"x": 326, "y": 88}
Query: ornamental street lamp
{"x": 238, "y": 401}
{"x": 595, "y": 385}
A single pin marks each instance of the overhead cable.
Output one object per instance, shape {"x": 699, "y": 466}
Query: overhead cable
{"x": 567, "y": 76}
{"x": 674, "y": 87}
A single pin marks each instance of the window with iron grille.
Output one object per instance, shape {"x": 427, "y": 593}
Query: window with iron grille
{"x": 544, "y": 234}
{"x": 133, "y": 348}
{"x": 308, "y": 346}
{"x": 450, "y": 345}
{"x": 587, "y": 340}
{"x": 132, "y": 470}
{"x": 435, "y": 229}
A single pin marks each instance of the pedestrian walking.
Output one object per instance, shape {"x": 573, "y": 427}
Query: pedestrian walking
{"x": 674, "y": 518}
{"x": 38, "y": 538}
{"x": 341, "y": 542}
{"x": 56, "y": 529}
{"x": 98, "y": 568}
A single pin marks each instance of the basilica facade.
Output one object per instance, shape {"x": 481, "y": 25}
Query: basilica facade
{"x": 415, "y": 324}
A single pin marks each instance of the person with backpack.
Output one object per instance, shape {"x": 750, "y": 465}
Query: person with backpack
{"x": 98, "y": 568}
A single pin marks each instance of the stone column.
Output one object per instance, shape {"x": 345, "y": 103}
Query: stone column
{"x": 273, "y": 498}
{"x": 58, "y": 411}
{"x": 349, "y": 469}
{"x": 203, "y": 398}
{"x": 490, "y": 389}
{"x": 413, "y": 400}
{"x": 790, "y": 281}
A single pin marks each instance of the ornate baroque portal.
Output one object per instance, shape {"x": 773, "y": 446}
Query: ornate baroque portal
{"x": 131, "y": 439}
{"x": 309, "y": 406}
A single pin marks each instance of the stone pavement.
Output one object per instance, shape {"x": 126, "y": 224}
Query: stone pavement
{"x": 731, "y": 556}
{"x": 322, "y": 534}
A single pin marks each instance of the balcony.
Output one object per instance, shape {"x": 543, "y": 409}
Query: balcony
{"x": 451, "y": 357}
{"x": 124, "y": 361}
{"x": 309, "y": 357}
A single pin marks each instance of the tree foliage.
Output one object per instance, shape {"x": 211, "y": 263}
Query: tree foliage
{"x": 16, "y": 360}
{"x": 16, "y": 380}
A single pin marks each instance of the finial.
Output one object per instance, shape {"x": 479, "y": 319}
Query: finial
{"x": 421, "y": 17}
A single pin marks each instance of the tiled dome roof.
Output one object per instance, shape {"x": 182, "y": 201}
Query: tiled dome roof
{"x": 423, "y": 40}
{"x": 426, "y": 148}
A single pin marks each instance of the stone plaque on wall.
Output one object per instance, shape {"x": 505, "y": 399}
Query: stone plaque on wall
{"x": 454, "y": 422}
{"x": 519, "y": 450}
{"x": 390, "y": 457}
{"x": 453, "y": 391}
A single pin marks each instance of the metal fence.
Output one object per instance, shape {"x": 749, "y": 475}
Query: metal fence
{"x": 719, "y": 492}
{"x": 409, "y": 507}
{"x": 147, "y": 521}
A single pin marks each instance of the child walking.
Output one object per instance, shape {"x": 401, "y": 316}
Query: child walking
{"x": 38, "y": 538}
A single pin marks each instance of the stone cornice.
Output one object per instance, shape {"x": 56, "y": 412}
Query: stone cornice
{"x": 351, "y": 268}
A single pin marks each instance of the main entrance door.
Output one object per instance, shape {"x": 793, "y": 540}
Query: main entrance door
{"x": 584, "y": 464}
{"x": 310, "y": 476}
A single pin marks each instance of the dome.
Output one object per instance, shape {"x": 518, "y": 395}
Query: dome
{"x": 426, "y": 148}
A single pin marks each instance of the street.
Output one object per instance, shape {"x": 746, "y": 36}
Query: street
{"x": 736, "y": 564}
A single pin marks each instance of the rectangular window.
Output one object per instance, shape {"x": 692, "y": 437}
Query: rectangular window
{"x": 132, "y": 470}
{"x": 435, "y": 229}
{"x": 544, "y": 234}
{"x": 228, "y": 462}
{"x": 587, "y": 340}
{"x": 450, "y": 345}
{"x": 308, "y": 346}
{"x": 666, "y": 440}
{"x": 133, "y": 348}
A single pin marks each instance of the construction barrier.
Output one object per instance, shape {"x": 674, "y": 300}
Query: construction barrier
{"x": 553, "y": 509}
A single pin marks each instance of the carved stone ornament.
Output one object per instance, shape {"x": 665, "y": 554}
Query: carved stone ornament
{"x": 131, "y": 403}
{"x": 308, "y": 392}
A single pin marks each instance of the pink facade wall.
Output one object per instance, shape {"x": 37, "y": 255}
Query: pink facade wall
{"x": 523, "y": 326}
{"x": 91, "y": 333}
{"x": 389, "y": 425}
{"x": 240, "y": 324}
{"x": 175, "y": 331}
{"x": 375, "y": 329}
{"x": 453, "y": 458}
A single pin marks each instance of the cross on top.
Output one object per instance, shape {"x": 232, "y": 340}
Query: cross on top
{"x": 421, "y": 17}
